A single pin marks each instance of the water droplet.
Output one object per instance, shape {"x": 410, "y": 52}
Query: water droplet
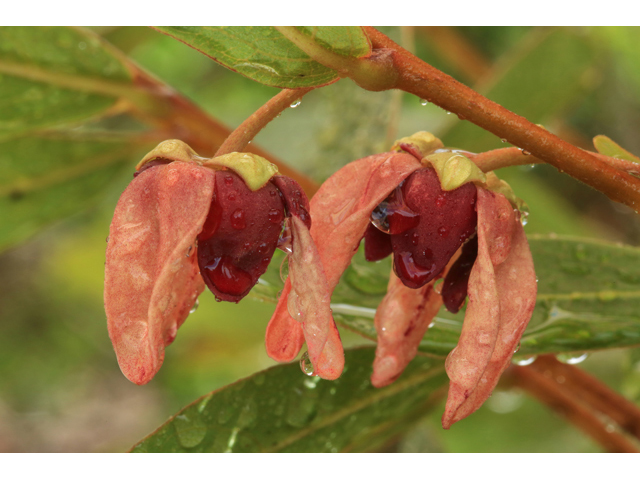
{"x": 610, "y": 427}
{"x": 285, "y": 242}
{"x": 503, "y": 140}
{"x": 237, "y": 219}
{"x": 189, "y": 251}
{"x": 190, "y": 432}
{"x": 275, "y": 215}
{"x": 204, "y": 402}
{"x": 107, "y": 239}
{"x": 295, "y": 103}
{"x": 525, "y": 152}
{"x": 524, "y": 361}
{"x": 448, "y": 113}
{"x": 437, "y": 286}
{"x": 248, "y": 414}
{"x": 517, "y": 348}
{"x": 232, "y": 440}
{"x": 424, "y": 102}
{"x": 284, "y": 269}
{"x": 194, "y": 307}
{"x": 305, "y": 364}
{"x": 443, "y": 231}
{"x": 572, "y": 358}
{"x": 295, "y": 306}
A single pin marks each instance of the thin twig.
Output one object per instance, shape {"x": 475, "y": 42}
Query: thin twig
{"x": 424, "y": 81}
{"x": 241, "y": 136}
{"x": 548, "y": 391}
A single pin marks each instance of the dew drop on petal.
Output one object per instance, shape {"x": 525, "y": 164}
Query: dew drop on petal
{"x": 305, "y": 364}
{"x": 194, "y": 307}
{"x": 423, "y": 102}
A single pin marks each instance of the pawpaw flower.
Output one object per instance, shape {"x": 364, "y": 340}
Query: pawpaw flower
{"x": 444, "y": 221}
{"x": 185, "y": 222}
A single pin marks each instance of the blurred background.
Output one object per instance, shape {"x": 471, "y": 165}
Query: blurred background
{"x": 60, "y": 386}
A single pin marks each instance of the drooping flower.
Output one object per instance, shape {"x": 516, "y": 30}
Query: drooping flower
{"x": 441, "y": 217}
{"x": 182, "y": 223}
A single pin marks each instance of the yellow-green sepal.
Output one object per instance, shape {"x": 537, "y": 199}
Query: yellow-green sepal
{"x": 606, "y": 146}
{"x": 422, "y": 142}
{"x": 494, "y": 184}
{"x": 253, "y": 169}
{"x": 454, "y": 169}
{"x": 173, "y": 150}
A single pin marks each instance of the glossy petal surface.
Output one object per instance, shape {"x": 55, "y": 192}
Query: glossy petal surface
{"x": 239, "y": 236}
{"x": 151, "y": 276}
{"x": 446, "y": 220}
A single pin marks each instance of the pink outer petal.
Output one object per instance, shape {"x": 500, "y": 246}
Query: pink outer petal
{"x": 498, "y": 311}
{"x": 150, "y": 283}
{"x": 284, "y": 337}
{"x": 517, "y": 289}
{"x": 309, "y": 303}
{"x": 340, "y": 213}
{"x": 401, "y": 320}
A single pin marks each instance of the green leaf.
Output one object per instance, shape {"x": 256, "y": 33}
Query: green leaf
{"x": 283, "y": 410}
{"x": 46, "y": 178}
{"x": 55, "y": 75}
{"x": 606, "y": 146}
{"x": 588, "y": 298}
{"x": 266, "y": 56}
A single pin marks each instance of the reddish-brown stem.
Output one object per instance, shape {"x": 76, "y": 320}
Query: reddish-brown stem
{"x": 181, "y": 119}
{"x": 424, "y": 81}
{"x": 511, "y": 156}
{"x": 590, "y": 390}
{"x": 241, "y": 136}
{"x": 547, "y": 390}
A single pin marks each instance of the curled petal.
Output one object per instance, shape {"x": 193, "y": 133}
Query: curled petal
{"x": 401, "y": 320}
{"x": 151, "y": 273}
{"x": 343, "y": 205}
{"x": 340, "y": 212}
{"x": 517, "y": 289}
{"x": 498, "y": 311}
{"x": 308, "y": 303}
{"x": 284, "y": 337}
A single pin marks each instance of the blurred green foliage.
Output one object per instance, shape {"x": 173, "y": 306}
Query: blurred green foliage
{"x": 60, "y": 386}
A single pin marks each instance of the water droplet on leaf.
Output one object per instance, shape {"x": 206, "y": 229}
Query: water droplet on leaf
{"x": 305, "y": 364}
{"x": 572, "y": 358}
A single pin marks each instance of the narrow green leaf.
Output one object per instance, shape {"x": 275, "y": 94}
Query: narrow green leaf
{"x": 588, "y": 298}
{"x": 46, "y": 178}
{"x": 606, "y": 146}
{"x": 283, "y": 410}
{"x": 266, "y": 56}
{"x": 55, "y": 75}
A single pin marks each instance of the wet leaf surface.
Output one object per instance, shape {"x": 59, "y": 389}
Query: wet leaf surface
{"x": 588, "y": 298}
{"x": 265, "y": 55}
{"x": 283, "y": 410}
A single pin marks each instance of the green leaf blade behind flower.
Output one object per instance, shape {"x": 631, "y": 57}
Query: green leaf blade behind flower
{"x": 283, "y": 410}
{"x": 266, "y": 56}
{"x": 47, "y": 178}
{"x": 56, "y": 75}
{"x": 588, "y": 298}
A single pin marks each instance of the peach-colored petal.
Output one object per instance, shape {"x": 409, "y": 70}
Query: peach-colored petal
{"x": 340, "y": 211}
{"x": 467, "y": 362}
{"x": 401, "y": 320}
{"x": 309, "y": 300}
{"x": 517, "y": 289}
{"x": 284, "y": 337}
{"x": 151, "y": 273}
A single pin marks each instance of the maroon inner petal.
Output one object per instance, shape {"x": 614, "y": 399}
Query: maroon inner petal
{"x": 239, "y": 236}
{"x": 377, "y": 244}
{"x": 454, "y": 288}
{"x": 446, "y": 220}
{"x": 295, "y": 200}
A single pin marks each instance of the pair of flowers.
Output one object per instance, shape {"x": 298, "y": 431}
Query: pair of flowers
{"x": 186, "y": 221}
